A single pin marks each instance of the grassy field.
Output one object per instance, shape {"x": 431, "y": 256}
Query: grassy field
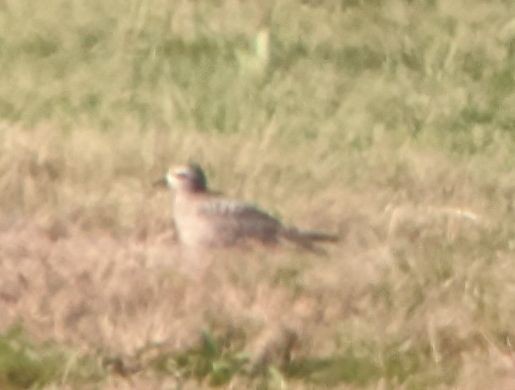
{"x": 390, "y": 122}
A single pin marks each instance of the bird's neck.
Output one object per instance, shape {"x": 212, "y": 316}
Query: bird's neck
{"x": 188, "y": 195}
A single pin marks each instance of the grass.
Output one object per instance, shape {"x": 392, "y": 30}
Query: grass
{"x": 387, "y": 121}
{"x": 25, "y": 365}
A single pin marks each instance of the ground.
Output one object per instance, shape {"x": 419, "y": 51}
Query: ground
{"x": 387, "y": 122}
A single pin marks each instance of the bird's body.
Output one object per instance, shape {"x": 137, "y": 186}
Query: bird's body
{"x": 211, "y": 220}
{"x": 206, "y": 219}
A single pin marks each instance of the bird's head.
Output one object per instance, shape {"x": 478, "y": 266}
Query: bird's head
{"x": 190, "y": 178}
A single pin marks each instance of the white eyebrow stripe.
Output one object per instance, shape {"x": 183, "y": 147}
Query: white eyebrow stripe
{"x": 181, "y": 171}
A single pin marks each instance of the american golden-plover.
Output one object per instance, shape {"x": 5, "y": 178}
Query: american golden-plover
{"x": 207, "y": 219}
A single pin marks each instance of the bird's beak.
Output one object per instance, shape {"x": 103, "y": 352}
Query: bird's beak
{"x": 160, "y": 183}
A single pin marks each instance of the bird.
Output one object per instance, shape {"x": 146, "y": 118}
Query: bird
{"x": 206, "y": 219}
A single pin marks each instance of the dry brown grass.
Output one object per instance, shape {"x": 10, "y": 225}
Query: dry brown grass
{"x": 389, "y": 122}
{"x": 89, "y": 260}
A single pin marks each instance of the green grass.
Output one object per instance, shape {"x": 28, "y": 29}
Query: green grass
{"x": 389, "y": 121}
{"x": 24, "y": 364}
{"x": 371, "y": 70}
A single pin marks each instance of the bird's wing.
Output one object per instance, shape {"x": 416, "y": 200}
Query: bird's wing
{"x": 243, "y": 218}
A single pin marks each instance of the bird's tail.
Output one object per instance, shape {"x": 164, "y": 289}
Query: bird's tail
{"x": 306, "y": 238}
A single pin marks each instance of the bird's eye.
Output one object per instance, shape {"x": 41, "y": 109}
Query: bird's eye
{"x": 182, "y": 175}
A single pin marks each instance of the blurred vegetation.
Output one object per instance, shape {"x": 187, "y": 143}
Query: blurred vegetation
{"x": 24, "y": 364}
{"x": 414, "y": 96}
{"x": 358, "y": 72}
